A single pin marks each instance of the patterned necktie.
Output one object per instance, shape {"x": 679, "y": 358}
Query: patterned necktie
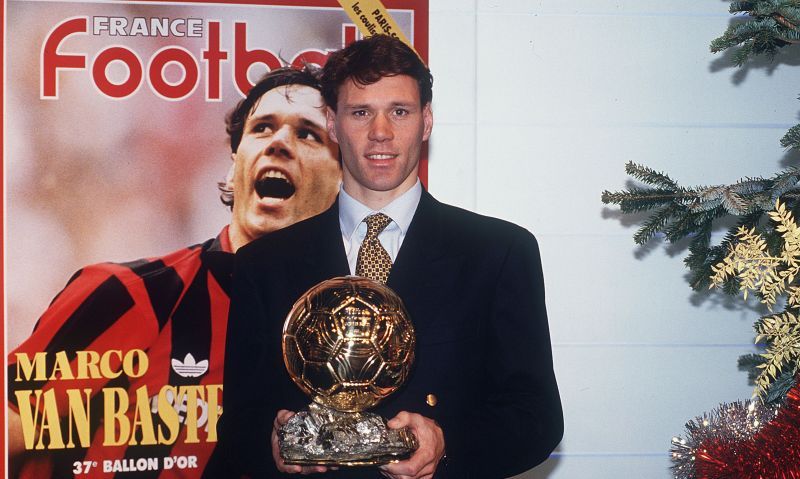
{"x": 373, "y": 261}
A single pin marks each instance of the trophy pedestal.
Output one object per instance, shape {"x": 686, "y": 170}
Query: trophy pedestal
{"x": 327, "y": 437}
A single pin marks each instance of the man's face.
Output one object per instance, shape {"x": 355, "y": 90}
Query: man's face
{"x": 380, "y": 129}
{"x": 285, "y": 168}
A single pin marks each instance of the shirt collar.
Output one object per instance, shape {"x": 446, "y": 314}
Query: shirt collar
{"x": 222, "y": 242}
{"x": 401, "y": 210}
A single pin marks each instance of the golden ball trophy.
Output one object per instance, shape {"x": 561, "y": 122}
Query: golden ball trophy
{"x": 348, "y": 343}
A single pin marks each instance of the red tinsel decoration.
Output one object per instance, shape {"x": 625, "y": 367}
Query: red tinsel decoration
{"x": 772, "y": 453}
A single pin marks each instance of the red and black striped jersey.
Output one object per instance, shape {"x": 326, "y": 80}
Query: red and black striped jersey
{"x": 150, "y": 331}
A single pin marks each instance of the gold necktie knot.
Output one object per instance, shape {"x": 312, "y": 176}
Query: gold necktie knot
{"x": 373, "y": 261}
{"x": 376, "y": 224}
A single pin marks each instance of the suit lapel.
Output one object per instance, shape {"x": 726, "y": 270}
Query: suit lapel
{"x": 324, "y": 256}
{"x": 424, "y": 262}
{"x": 423, "y": 243}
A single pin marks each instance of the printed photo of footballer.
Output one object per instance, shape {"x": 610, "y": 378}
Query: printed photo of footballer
{"x": 123, "y": 372}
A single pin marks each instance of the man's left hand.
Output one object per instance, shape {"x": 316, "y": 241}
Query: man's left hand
{"x": 422, "y": 464}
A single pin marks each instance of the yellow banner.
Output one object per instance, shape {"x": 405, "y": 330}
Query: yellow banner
{"x": 371, "y": 18}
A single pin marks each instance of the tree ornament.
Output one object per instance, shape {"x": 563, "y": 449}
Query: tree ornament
{"x": 742, "y": 441}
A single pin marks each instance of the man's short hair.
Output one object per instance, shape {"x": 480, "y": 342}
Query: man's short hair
{"x": 234, "y": 122}
{"x": 307, "y": 76}
{"x": 367, "y": 61}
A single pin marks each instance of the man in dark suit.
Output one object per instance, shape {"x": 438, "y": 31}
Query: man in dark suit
{"x": 482, "y": 398}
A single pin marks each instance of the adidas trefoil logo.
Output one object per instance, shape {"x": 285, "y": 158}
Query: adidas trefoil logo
{"x": 189, "y": 368}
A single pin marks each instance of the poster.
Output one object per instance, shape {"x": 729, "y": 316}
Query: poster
{"x": 114, "y": 141}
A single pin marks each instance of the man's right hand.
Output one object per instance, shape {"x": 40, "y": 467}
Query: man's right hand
{"x": 280, "y": 420}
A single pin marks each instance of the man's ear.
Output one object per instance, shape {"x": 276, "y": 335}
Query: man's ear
{"x": 330, "y": 123}
{"x": 231, "y": 171}
{"x": 427, "y": 119}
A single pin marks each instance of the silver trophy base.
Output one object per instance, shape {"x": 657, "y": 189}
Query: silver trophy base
{"x": 326, "y": 437}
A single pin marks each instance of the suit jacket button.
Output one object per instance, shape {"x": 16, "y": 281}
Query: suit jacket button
{"x": 431, "y": 400}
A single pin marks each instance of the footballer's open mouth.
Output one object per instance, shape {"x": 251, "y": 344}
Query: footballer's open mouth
{"x": 274, "y": 184}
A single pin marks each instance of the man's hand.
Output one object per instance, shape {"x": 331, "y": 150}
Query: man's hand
{"x": 422, "y": 464}
{"x": 281, "y": 419}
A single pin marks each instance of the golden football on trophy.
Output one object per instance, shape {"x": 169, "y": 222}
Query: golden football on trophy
{"x": 348, "y": 343}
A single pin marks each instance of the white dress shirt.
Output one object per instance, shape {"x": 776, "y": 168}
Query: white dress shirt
{"x": 351, "y": 222}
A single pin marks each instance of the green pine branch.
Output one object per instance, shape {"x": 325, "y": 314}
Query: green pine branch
{"x": 792, "y": 138}
{"x": 769, "y": 26}
{"x": 702, "y": 256}
{"x": 650, "y": 176}
{"x": 679, "y": 212}
{"x": 782, "y": 384}
{"x": 636, "y": 199}
{"x": 754, "y": 363}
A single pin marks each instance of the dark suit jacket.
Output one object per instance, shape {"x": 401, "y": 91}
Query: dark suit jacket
{"x": 473, "y": 288}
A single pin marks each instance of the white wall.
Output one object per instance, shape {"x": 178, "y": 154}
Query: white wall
{"x": 538, "y": 106}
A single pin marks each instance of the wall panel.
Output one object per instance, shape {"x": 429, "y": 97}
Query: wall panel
{"x": 558, "y": 97}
